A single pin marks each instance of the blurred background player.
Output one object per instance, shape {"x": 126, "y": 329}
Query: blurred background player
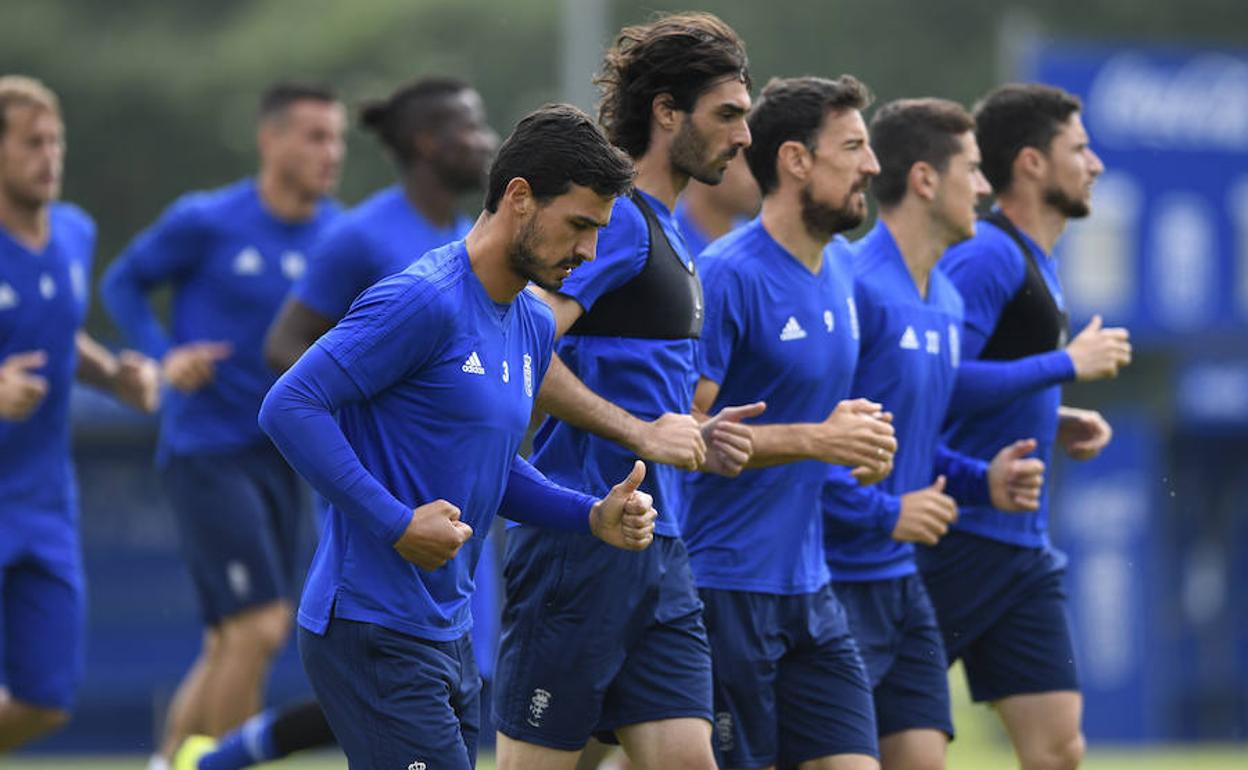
{"x": 612, "y": 643}
{"x": 705, "y": 212}
{"x": 995, "y": 580}
{"x": 910, "y": 322}
{"x": 407, "y": 417}
{"x": 230, "y": 256}
{"x": 435, "y": 130}
{"x": 45, "y": 278}
{"x": 790, "y": 689}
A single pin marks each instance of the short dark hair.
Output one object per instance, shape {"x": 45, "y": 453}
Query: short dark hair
{"x": 909, "y": 131}
{"x": 794, "y": 110}
{"x": 553, "y": 148}
{"x": 682, "y": 54}
{"x": 1015, "y": 116}
{"x": 415, "y": 107}
{"x": 278, "y": 97}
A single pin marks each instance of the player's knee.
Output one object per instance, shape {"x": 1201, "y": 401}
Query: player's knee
{"x": 264, "y": 629}
{"x": 38, "y": 720}
{"x": 1058, "y": 755}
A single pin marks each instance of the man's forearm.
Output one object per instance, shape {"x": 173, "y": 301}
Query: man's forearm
{"x": 96, "y": 366}
{"x": 781, "y": 443}
{"x": 564, "y": 397}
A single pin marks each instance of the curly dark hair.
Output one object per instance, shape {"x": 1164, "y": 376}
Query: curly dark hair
{"x": 682, "y": 54}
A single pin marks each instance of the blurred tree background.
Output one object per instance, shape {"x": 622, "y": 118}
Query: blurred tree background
{"x": 159, "y": 97}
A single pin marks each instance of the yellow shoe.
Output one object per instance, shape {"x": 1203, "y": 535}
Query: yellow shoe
{"x": 192, "y": 749}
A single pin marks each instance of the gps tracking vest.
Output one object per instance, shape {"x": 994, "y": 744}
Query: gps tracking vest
{"x": 1032, "y": 322}
{"x": 663, "y": 302}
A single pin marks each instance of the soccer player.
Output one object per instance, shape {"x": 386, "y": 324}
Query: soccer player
{"x": 432, "y": 376}
{"x": 705, "y": 212}
{"x": 995, "y": 580}
{"x": 910, "y": 326}
{"x": 598, "y": 641}
{"x": 45, "y": 272}
{"x": 435, "y": 130}
{"x": 231, "y": 256}
{"x": 790, "y": 689}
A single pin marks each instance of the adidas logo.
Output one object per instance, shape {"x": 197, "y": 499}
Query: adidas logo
{"x": 792, "y": 331}
{"x": 910, "y": 340}
{"x": 248, "y": 262}
{"x": 473, "y": 364}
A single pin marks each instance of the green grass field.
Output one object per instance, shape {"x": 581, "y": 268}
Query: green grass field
{"x": 981, "y": 745}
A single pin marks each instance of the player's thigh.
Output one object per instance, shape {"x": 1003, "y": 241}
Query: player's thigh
{"x": 668, "y": 744}
{"x": 825, "y": 709}
{"x": 914, "y": 749}
{"x": 389, "y": 698}
{"x": 913, "y": 695}
{"x": 746, "y": 648}
{"x": 224, "y": 519}
{"x": 1044, "y": 728}
{"x": 44, "y": 621}
{"x": 1028, "y": 648}
{"x": 574, "y": 608}
{"x": 512, "y": 754}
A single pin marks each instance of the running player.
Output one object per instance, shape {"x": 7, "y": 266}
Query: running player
{"x": 790, "y": 689}
{"x": 231, "y": 256}
{"x": 910, "y": 322}
{"x": 45, "y": 272}
{"x": 706, "y": 212}
{"x": 435, "y": 130}
{"x": 995, "y": 580}
{"x": 605, "y": 642}
{"x": 432, "y": 376}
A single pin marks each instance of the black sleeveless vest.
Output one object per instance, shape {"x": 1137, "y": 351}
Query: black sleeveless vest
{"x": 1031, "y": 322}
{"x": 663, "y": 302}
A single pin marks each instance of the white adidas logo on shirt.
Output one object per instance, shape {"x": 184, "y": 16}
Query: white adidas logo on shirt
{"x": 792, "y": 331}
{"x": 910, "y": 340}
{"x": 473, "y": 364}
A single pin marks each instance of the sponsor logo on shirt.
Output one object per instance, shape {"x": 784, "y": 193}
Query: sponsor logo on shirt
{"x": 792, "y": 331}
{"x": 473, "y": 364}
{"x": 78, "y": 280}
{"x": 528, "y": 375}
{"x": 538, "y": 705}
{"x": 293, "y": 265}
{"x": 933, "y": 341}
{"x": 47, "y": 286}
{"x": 955, "y": 346}
{"x": 909, "y": 340}
{"x": 248, "y": 262}
{"x": 8, "y": 297}
{"x": 853, "y": 317}
{"x": 829, "y": 320}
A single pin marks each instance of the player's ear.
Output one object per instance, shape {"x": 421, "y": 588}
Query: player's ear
{"x": 518, "y": 196}
{"x": 923, "y": 180}
{"x": 424, "y": 144}
{"x": 663, "y": 111}
{"x": 793, "y": 159}
{"x": 1030, "y": 162}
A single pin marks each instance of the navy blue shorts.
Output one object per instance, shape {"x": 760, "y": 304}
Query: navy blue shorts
{"x": 1002, "y": 611}
{"x": 895, "y": 627}
{"x": 238, "y": 516}
{"x": 595, "y": 638}
{"x": 789, "y": 683}
{"x": 393, "y": 700}
{"x": 42, "y": 608}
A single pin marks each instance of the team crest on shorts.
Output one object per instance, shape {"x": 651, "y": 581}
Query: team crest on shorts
{"x": 723, "y": 731}
{"x": 538, "y": 705}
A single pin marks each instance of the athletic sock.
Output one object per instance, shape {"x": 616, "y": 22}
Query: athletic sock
{"x": 250, "y": 744}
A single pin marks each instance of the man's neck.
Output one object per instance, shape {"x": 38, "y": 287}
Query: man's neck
{"x": 658, "y": 177}
{"x": 28, "y": 225}
{"x": 920, "y": 239}
{"x": 284, "y": 201}
{"x": 488, "y": 255}
{"x": 713, "y": 221}
{"x": 426, "y": 193}
{"x": 1030, "y": 214}
{"x": 782, "y": 218}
